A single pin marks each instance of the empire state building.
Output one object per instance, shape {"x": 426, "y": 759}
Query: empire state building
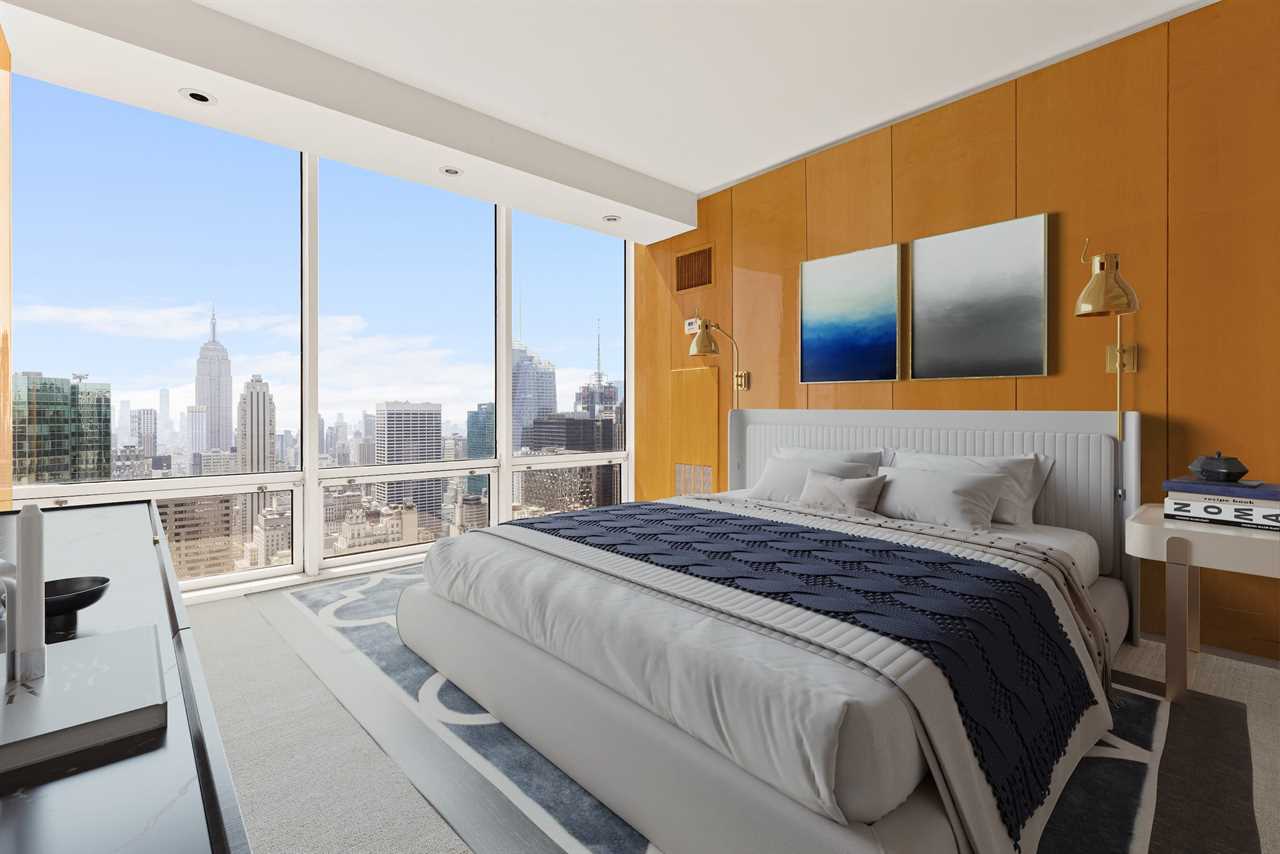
{"x": 213, "y": 388}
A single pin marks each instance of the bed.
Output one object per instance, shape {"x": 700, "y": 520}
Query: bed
{"x": 712, "y": 719}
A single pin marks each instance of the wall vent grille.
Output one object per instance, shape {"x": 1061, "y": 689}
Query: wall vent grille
{"x": 693, "y": 269}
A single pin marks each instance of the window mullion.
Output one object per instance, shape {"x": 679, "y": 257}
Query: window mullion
{"x": 500, "y": 489}
{"x": 629, "y": 372}
{"x": 311, "y": 519}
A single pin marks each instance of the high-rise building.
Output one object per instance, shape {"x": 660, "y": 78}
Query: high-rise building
{"x": 571, "y": 431}
{"x": 196, "y": 422}
{"x": 481, "y": 443}
{"x": 272, "y": 541}
{"x": 122, "y": 436}
{"x": 558, "y": 490}
{"x": 533, "y": 391}
{"x": 255, "y": 443}
{"x": 61, "y": 429}
{"x": 598, "y": 397}
{"x": 213, "y": 388}
{"x": 473, "y": 512}
{"x": 199, "y": 531}
{"x": 128, "y": 462}
{"x": 142, "y": 425}
{"x": 256, "y": 427}
{"x": 213, "y": 462}
{"x": 341, "y": 435}
{"x": 407, "y": 432}
{"x": 164, "y": 423}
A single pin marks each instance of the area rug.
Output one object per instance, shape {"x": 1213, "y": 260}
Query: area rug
{"x": 1165, "y": 779}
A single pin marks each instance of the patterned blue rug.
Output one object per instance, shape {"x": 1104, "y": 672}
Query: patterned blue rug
{"x": 1109, "y": 807}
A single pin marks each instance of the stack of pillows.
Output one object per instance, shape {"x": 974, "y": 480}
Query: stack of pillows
{"x": 969, "y": 493}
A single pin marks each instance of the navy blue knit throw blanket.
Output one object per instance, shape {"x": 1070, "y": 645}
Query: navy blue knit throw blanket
{"x": 1018, "y": 684}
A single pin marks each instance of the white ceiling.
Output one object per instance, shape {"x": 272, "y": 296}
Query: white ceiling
{"x": 572, "y": 109}
{"x": 697, "y": 93}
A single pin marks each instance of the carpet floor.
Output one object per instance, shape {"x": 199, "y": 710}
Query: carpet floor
{"x": 311, "y": 779}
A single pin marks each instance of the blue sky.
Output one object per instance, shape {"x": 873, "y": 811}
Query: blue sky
{"x": 129, "y": 225}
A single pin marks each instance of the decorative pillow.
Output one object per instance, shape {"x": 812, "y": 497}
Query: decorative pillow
{"x": 850, "y": 495}
{"x": 783, "y": 479}
{"x": 1026, "y": 475}
{"x": 870, "y": 456}
{"x": 956, "y": 499}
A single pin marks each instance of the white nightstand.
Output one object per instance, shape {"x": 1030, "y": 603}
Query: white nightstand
{"x": 1185, "y": 547}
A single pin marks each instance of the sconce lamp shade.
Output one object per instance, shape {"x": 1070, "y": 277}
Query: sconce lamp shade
{"x": 1107, "y": 294}
{"x": 704, "y": 343}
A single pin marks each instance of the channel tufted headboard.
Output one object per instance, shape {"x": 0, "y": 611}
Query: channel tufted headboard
{"x": 1093, "y": 487}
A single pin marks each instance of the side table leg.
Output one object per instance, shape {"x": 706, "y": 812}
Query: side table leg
{"x": 1178, "y": 607}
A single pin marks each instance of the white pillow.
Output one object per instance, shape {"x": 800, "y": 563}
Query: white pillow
{"x": 783, "y": 479}
{"x": 870, "y": 456}
{"x": 850, "y": 495}
{"x": 956, "y": 499}
{"x": 1026, "y": 478}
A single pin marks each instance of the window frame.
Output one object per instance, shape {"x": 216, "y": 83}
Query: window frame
{"x": 307, "y": 485}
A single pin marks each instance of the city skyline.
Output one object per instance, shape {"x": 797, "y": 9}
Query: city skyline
{"x": 100, "y": 438}
{"x": 386, "y": 244}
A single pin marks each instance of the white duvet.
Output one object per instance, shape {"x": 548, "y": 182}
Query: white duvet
{"x": 840, "y": 719}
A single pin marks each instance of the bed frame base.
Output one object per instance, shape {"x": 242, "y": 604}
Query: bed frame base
{"x": 683, "y": 796}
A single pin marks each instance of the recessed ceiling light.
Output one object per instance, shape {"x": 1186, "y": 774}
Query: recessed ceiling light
{"x": 198, "y": 96}
{"x": 611, "y": 218}
{"x": 451, "y": 171}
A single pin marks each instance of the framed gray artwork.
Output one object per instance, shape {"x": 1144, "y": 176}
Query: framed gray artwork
{"x": 979, "y": 301}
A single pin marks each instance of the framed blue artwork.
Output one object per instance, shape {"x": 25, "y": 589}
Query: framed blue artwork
{"x": 849, "y": 317}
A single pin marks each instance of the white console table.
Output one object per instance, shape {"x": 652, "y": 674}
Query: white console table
{"x": 1185, "y": 547}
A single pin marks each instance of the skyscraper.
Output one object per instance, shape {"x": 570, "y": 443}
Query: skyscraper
{"x": 199, "y": 534}
{"x": 255, "y": 442}
{"x": 61, "y": 429}
{"x": 197, "y": 423}
{"x": 256, "y": 427}
{"x": 164, "y": 421}
{"x": 481, "y": 443}
{"x": 533, "y": 391}
{"x": 213, "y": 388}
{"x": 571, "y": 431}
{"x": 122, "y": 435}
{"x": 142, "y": 425}
{"x": 407, "y": 432}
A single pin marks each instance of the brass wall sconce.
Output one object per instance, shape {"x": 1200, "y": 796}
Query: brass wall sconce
{"x": 1107, "y": 294}
{"x": 704, "y": 344}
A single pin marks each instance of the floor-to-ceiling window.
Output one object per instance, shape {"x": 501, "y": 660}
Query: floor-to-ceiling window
{"x": 407, "y": 288}
{"x": 157, "y": 316}
{"x": 303, "y": 362}
{"x": 568, "y": 359}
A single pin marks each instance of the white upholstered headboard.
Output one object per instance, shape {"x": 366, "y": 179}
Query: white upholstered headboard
{"x": 1093, "y": 487}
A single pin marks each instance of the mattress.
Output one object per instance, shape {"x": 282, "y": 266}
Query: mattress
{"x": 1082, "y": 547}
{"x": 1111, "y": 601}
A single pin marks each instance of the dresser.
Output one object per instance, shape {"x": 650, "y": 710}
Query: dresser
{"x": 168, "y": 794}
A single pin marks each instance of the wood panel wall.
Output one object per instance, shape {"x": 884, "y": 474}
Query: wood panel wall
{"x": 1224, "y": 289}
{"x": 1160, "y": 146}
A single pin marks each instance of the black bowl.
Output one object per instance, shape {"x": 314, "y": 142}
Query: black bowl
{"x": 63, "y": 598}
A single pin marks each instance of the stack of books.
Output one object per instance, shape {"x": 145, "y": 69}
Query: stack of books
{"x": 1245, "y": 504}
